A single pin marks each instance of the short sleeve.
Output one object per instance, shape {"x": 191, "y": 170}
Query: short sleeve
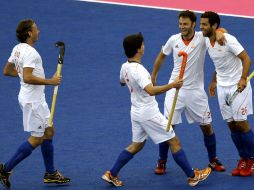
{"x": 234, "y": 45}
{"x": 12, "y": 57}
{"x": 143, "y": 77}
{"x": 122, "y": 75}
{"x": 168, "y": 47}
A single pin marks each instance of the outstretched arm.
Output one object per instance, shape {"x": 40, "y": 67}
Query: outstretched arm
{"x": 9, "y": 70}
{"x": 156, "y": 90}
{"x": 156, "y": 67}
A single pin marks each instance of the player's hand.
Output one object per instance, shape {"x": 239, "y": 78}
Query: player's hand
{"x": 211, "y": 88}
{"x": 242, "y": 84}
{"x": 56, "y": 80}
{"x": 178, "y": 83}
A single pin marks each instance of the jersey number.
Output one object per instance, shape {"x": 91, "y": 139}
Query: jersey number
{"x": 244, "y": 111}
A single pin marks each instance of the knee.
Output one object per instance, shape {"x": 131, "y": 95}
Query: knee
{"x": 242, "y": 126}
{"x": 174, "y": 144}
{"x": 35, "y": 141}
{"x": 232, "y": 126}
{"x": 135, "y": 147}
{"x": 207, "y": 129}
{"x": 49, "y": 133}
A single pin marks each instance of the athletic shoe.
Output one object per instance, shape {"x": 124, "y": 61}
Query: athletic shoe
{"x": 161, "y": 167}
{"x": 240, "y": 166}
{"x": 56, "y": 177}
{"x": 111, "y": 179}
{"x": 249, "y": 169}
{"x": 4, "y": 177}
{"x": 216, "y": 165}
{"x": 200, "y": 175}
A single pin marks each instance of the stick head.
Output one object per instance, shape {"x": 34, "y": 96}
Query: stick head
{"x": 61, "y": 45}
{"x": 184, "y": 61}
{"x": 184, "y": 54}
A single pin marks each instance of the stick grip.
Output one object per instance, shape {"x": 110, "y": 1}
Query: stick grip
{"x": 250, "y": 76}
{"x": 232, "y": 98}
{"x": 172, "y": 110}
{"x": 53, "y": 105}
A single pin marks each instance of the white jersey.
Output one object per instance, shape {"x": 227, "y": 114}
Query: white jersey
{"x": 228, "y": 66}
{"x": 196, "y": 50}
{"x": 143, "y": 106}
{"x": 24, "y": 55}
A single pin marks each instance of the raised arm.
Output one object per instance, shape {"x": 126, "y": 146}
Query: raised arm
{"x": 156, "y": 67}
{"x": 9, "y": 70}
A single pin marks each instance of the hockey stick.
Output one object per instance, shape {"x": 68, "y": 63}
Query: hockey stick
{"x": 232, "y": 98}
{"x": 61, "y": 46}
{"x": 185, "y": 56}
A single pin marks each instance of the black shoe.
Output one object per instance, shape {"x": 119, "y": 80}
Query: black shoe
{"x": 216, "y": 165}
{"x": 4, "y": 177}
{"x": 56, "y": 177}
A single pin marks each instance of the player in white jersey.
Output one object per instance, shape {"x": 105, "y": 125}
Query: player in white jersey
{"x": 192, "y": 98}
{"x": 26, "y": 63}
{"x": 146, "y": 118}
{"x": 232, "y": 65}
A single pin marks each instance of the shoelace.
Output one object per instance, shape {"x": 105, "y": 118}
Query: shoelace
{"x": 250, "y": 164}
{"x": 161, "y": 165}
{"x": 241, "y": 164}
{"x": 59, "y": 175}
{"x": 115, "y": 179}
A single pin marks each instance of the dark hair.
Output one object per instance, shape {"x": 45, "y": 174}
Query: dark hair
{"x": 23, "y": 28}
{"x": 132, "y": 43}
{"x": 188, "y": 14}
{"x": 213, "y": 18}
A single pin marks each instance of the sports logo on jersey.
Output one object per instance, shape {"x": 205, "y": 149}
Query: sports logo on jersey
{"x": 176, "y": 46}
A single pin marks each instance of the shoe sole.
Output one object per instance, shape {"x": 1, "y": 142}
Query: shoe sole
{"x": 56, "y": 181}
{"x": 214, "y": 169}
{"x": 160, "y": 173}
{"x": 106, "y": 179}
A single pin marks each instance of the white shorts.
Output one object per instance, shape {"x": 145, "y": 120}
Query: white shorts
{"x": 193, "y": 102}
{"x": 35, "y": 117}
{"x": 155, "y": 128}
{"x": 240, "y": 108}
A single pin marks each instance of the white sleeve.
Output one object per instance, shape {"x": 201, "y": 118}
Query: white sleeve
{"x": 168, "y": 47}
{"x": 234, "y": 45}
{"x": 122, "y": 75}
{"x": 143, "y": 77}
{"x": 29, "y": 59}
{"x": 12, "y": 57}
